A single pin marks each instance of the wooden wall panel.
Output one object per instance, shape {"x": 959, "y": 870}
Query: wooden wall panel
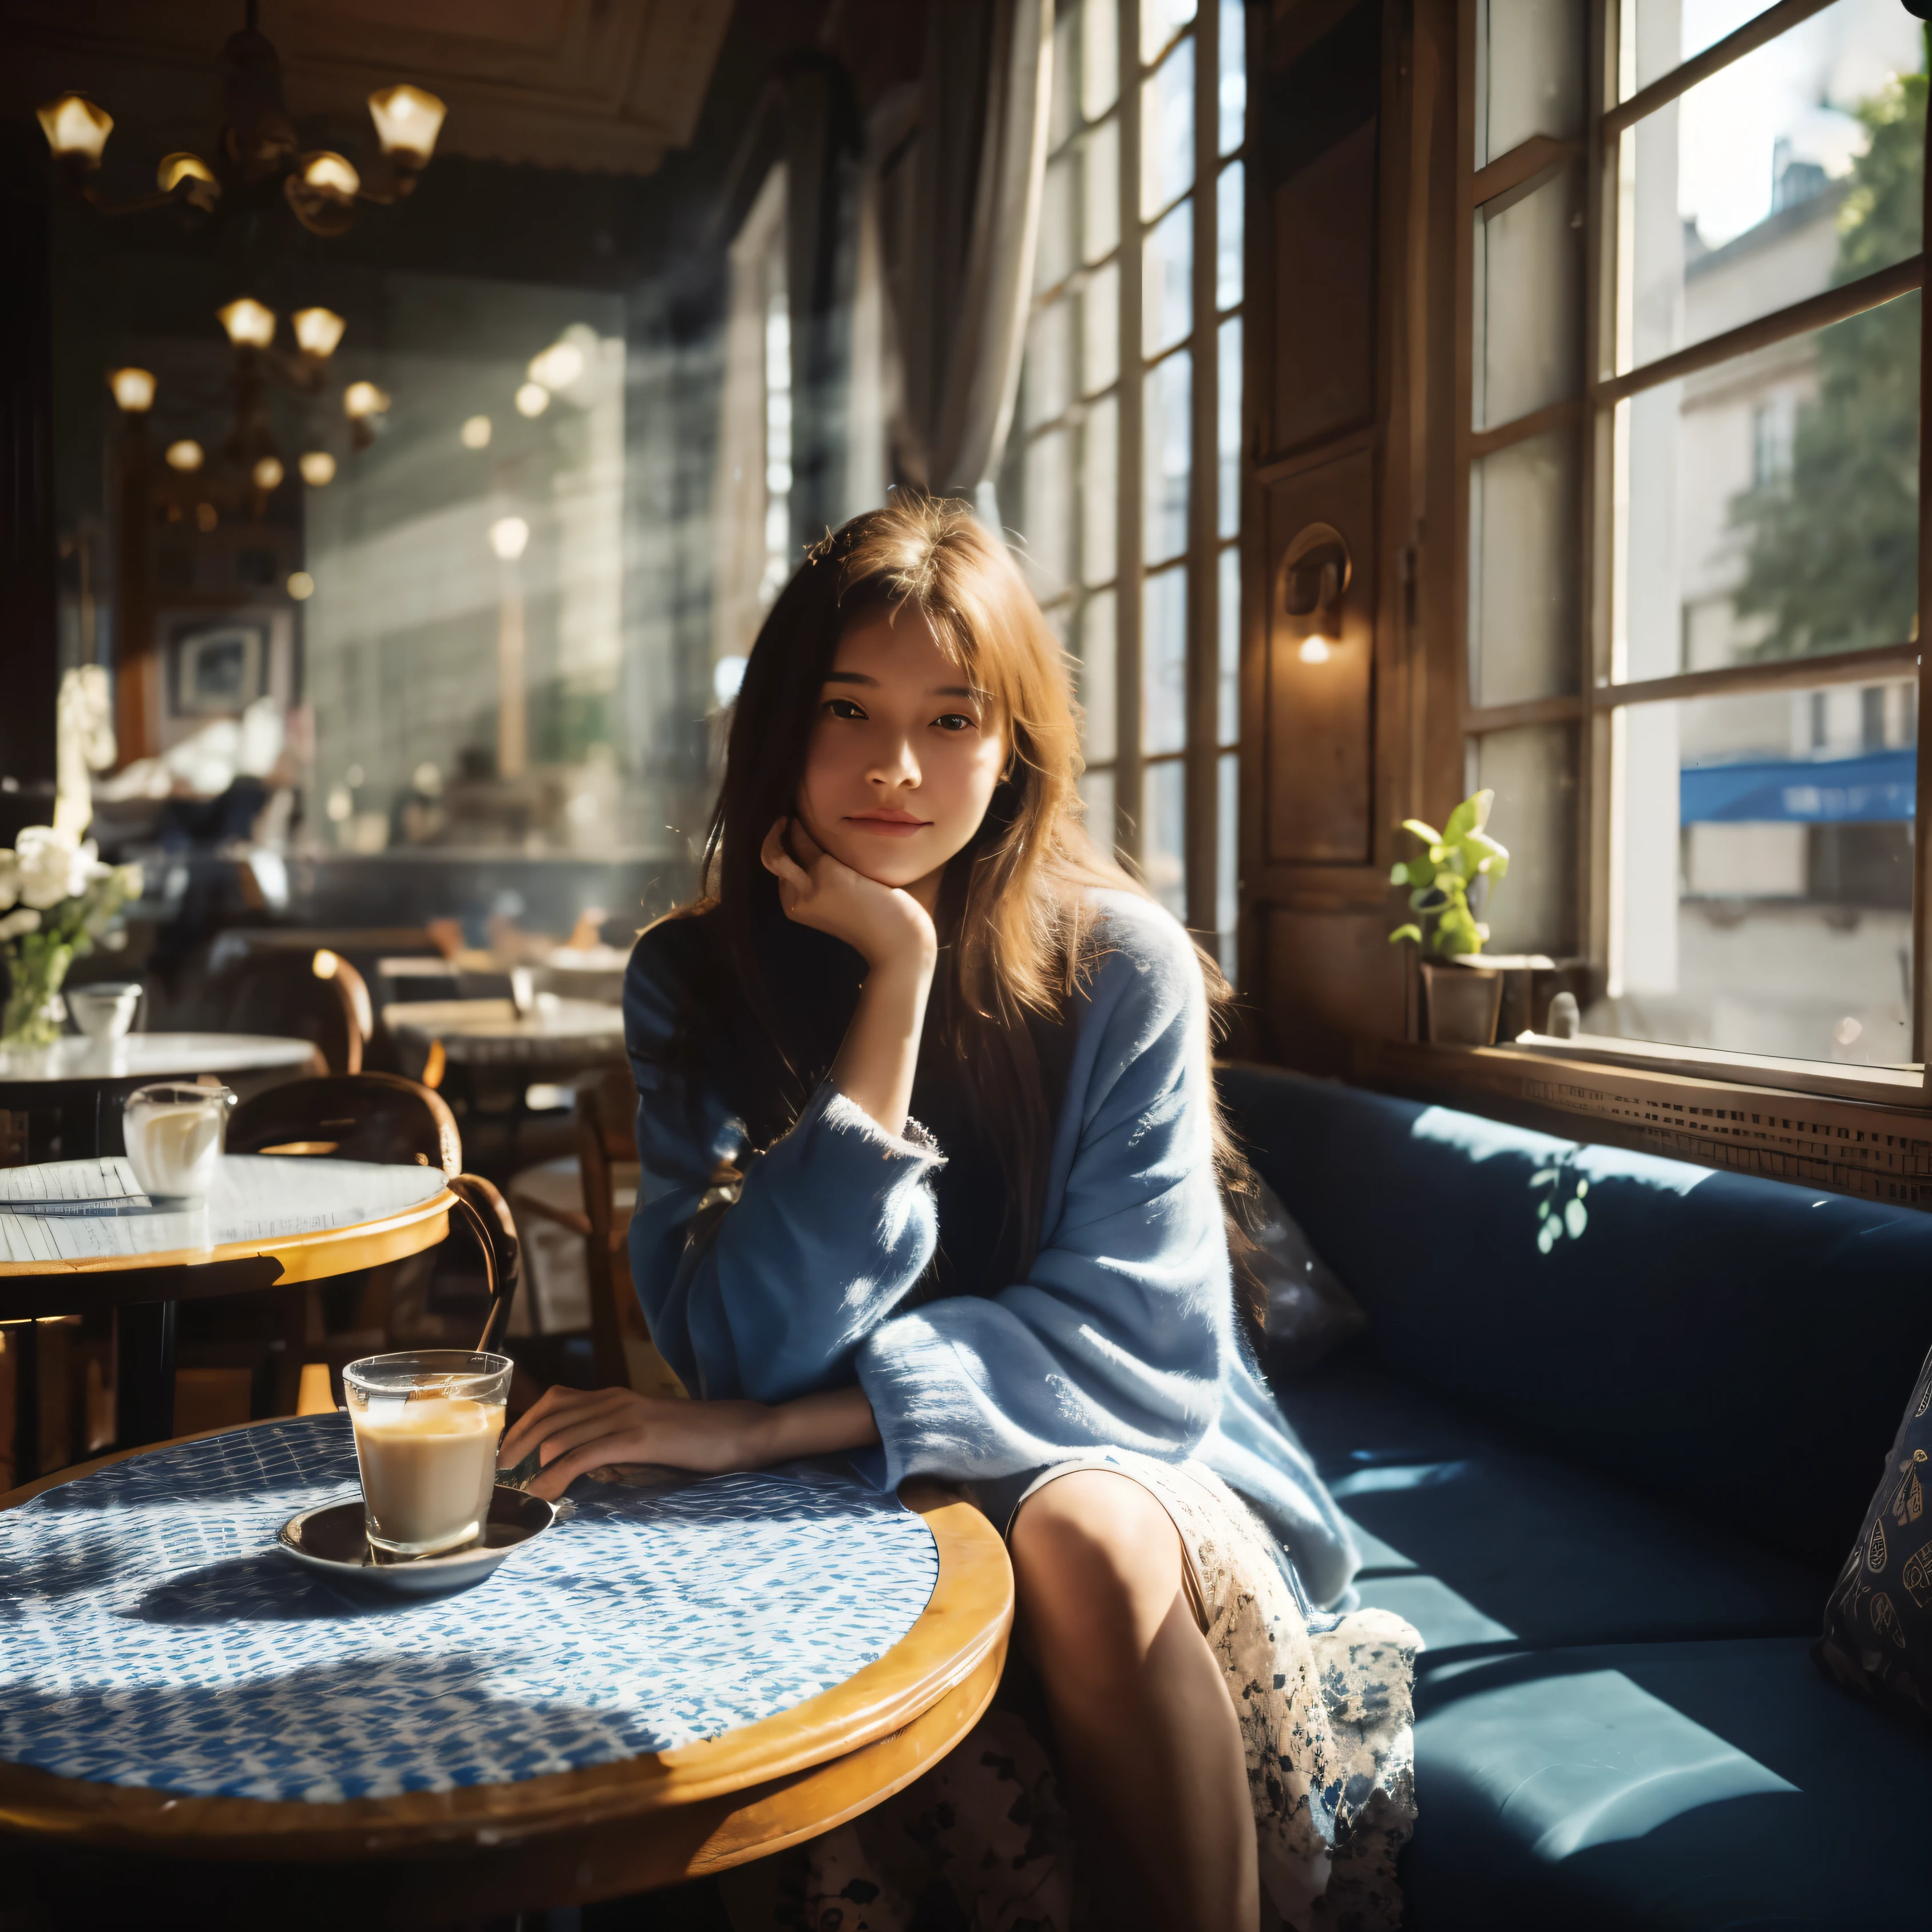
{"x": 1319, "y": 782}
{"x": 1324, "y": 293}
{"x": 1330, "y": 978}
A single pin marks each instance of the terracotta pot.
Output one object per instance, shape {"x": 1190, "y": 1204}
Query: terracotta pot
{"x": 1463, "y": 1003}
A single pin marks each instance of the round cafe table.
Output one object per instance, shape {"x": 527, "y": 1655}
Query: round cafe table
{"x": 63, "y": 1103}
{"x": 271, "y": 1219}
{"x": 684, "y": 1674}
{"x": 496, "y": 1044}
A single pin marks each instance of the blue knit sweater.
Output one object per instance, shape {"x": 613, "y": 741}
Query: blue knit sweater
{"x": 1123, "y": 1333}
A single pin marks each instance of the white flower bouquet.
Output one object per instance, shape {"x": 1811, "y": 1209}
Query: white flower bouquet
{"x": 56, "y": 899}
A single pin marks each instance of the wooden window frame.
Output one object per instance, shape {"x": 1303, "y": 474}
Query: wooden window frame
{"x": 1203, "y": 747}
{"x": 1592, "y": 707}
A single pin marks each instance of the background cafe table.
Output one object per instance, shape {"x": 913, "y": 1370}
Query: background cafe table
{"x": 497, "y": 1045}
{"x": 63, "y": 1103}
{"x": 272, "y": 1218}
{"x": 684, "y": 1674}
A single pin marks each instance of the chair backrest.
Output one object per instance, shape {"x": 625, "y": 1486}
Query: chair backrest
{"x": 314, "y": 996}
{"x": 606, "y": 1141}
{"x": 486, "y": 1213}
{"x": 379, "y": 1117}
{"x": 606, "y": 1110}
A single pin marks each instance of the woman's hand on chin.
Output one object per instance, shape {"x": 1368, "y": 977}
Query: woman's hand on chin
{"x": 884, "y": 924}
{"x": 579, "y": 1430}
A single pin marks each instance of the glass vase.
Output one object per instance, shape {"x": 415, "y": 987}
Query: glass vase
{"x": 32, "y": 1015}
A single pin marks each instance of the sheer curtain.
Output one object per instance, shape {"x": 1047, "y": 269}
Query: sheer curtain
{"x": 959, "y": 226}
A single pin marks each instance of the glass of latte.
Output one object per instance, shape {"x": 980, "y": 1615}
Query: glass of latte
{"x": 427, "y": 1425}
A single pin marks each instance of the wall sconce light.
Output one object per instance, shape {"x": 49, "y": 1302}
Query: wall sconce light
{"x": 318, "y": 331}
{"x": 268, "y": 473}
{"x": 250, "y": 324}
{"x": 408, "y": 120}
{"x": 133, "y": 390}
{"x": 1314, "y": 574}
{"x": 507, "y": 537}
{"x": 186, "y": 456}
{"x": 317, "y": 467}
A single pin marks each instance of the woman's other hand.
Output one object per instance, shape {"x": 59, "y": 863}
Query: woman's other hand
{"x": 576, "y": 1430}
{"x": 885, "y": 924}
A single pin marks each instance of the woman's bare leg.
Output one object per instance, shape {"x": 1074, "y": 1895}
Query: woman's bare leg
{"x": 1146, "y": 1727}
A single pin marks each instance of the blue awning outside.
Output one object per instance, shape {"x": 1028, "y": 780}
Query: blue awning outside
{"x": 1876, "y": 787}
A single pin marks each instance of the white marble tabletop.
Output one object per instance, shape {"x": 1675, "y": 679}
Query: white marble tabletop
{"x": 155, "y": 1056}
{"x": 66, "y": 1213}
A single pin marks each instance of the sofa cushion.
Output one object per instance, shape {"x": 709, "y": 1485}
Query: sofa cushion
{"x": 1480, "y": 1541}
{"x": 1682, "y": 1787}
{"x": 1738, "y": 1345}
{"x": 1877, "y": 1638}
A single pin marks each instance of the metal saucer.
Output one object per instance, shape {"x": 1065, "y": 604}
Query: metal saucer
{"x": 330, "y": 1541}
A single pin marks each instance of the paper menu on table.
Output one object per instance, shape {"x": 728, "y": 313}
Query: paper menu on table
{"x": 101, "y": 1185}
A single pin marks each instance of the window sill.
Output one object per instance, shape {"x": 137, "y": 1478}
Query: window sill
{"x": 1894, "y": 1086}
{"x": 1872, "y": 1137}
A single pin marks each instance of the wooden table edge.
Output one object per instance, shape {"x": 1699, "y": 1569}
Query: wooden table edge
{"x": 311, "y": 1256}
{"x": 966, "y": 1622}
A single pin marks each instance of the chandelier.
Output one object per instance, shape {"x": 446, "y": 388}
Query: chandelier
{"x": 252, "y": 468}
{"x": 257, "y": 144}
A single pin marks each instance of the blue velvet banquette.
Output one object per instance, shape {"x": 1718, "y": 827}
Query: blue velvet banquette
{"x": 1611, "y": 1435}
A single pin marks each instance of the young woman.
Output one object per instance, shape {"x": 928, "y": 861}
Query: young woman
{"x": 930, "y": 1152}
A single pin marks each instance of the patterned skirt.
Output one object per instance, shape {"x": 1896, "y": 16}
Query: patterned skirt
{"x": 1327, "y": 1723}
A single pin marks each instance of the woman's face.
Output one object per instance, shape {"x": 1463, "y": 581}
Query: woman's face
{"x": 904, "y": 755}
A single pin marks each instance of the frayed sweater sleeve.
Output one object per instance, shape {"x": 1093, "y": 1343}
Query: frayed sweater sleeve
{"x": 1119, "y": 1333}
{"x": 831, "y": 1225}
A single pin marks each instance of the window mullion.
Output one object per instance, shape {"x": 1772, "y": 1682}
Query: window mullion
{"x": 1128, "y": 811}
{"x": 1201, "y": 836}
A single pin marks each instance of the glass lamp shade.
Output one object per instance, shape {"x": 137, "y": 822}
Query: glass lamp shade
{"x": 186, "y": 456}
{"x": 363, "y": 400}
{"x": 133, "y": 389}
{"x": 532, "y": 399}
{"x": 202, "y": 188}
{"x": 407, "y": 122}
{"x": 76, "y": 129}
{"x": 319, "y": 330}
{"x": 331, "y": 175}
{"x": 268, "y": 472}
{"x": 318, "y": 468}
{"x": 250, "y": 326}
{"x": 508, "y": 536}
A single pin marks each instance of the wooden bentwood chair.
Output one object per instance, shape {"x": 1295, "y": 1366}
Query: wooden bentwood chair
{"x": 379, "y": 1117}
{"x": 593, "y": 1199}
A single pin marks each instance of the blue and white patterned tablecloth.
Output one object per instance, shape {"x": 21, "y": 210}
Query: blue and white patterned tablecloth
{"x": 152, "y": 1634}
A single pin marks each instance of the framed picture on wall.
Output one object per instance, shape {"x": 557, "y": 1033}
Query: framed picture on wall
{"x": 217, "y": 665}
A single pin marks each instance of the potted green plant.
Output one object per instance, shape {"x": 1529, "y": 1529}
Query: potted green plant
{"x": 1463, "y": 996}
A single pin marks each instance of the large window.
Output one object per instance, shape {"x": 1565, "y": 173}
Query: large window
{"x": 1691, "y": 459}
{"x": 1130, "y": 427}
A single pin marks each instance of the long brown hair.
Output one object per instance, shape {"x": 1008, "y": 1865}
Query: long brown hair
{"x": 1015, "y": 907}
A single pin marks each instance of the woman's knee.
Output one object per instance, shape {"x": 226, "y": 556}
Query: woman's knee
{"x": 1096, "y": 1563}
